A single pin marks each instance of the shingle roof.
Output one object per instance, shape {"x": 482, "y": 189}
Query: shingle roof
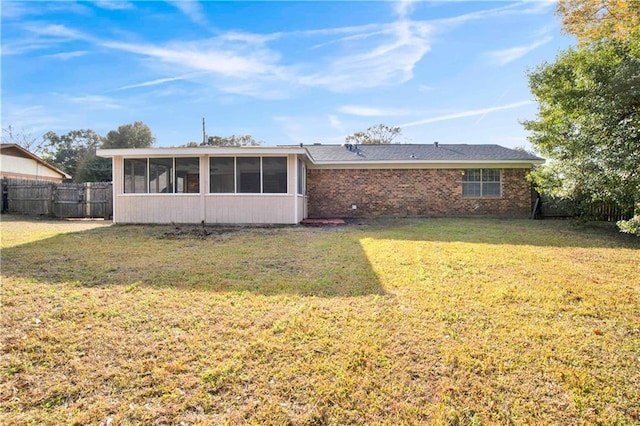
{"x": 416, "y": 153}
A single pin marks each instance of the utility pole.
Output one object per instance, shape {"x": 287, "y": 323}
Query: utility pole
{"x": 204, "y": 133}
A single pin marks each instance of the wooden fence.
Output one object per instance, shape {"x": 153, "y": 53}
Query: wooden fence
{"x": 607, "y": 212}
{"x": 65, "y": 200}
{"x": 598, "y": 211}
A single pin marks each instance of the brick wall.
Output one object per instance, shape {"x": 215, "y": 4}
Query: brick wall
{"x": 410, "y": 192}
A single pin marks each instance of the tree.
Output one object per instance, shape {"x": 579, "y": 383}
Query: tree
{"x": 596, "y": 20}
{"x": 377, "y": 134}
{"x": 136, "y": 135}
{"x": 589, "y": 122}
{"x": 233, "y": 140}
{"x": 22, "y": 138}
{"x": 75, "y": 153}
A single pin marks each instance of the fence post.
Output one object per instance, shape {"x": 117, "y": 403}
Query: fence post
{"x": 5, "y": 195}
{"x": 87, "y": 199}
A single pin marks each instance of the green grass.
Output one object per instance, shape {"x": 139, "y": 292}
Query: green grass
{"x": 435, "y": 321}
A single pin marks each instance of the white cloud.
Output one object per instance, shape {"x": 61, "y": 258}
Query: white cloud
{"x": 518, "y": 8}
{"x": 67, "y": 55}
{"x": 206, "y": 55}
{"x": 192, "y": 9}
{"x": 463, "y": 114}
{"x": 249, "y": 66}
{"x": 114, "y": 4}
{"x": 20, "y": 10}
{"x": 345, "y": 58}
{"x": 505, "y": 56}
{"x": 34, "y": 118}
{"x": 57, "y": 31}
{"x": 156, "y": 82}
{"x": 336, "y": 123}
{"x": 41, "y": 37}
{"x": 386, "y": 60}
{"x": 308, "y": 129}
{"x": 366, "y": 111}
{"x": 403, "y": 8}
{"x": 95, "y": 102}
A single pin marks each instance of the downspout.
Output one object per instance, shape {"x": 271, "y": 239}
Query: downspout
{"x": 295, "y": 189}
{"x": 113, "y": 187}
{"x": 203, "y": 184}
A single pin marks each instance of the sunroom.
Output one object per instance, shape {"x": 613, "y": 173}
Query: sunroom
{"x": 208, "y": 185}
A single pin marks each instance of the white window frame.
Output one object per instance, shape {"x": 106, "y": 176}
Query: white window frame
{"x": 482, "y": 183}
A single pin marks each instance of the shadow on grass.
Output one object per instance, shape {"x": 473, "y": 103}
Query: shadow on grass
{"x": 322, "y": 262}
{"x": 267, "y": 261}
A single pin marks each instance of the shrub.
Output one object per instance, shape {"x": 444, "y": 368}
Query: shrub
{"x": 631, "y": 226}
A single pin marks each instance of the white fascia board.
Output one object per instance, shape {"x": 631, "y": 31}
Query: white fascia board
{"x": 197, "y": 151}
{"x": 424, "y": 164}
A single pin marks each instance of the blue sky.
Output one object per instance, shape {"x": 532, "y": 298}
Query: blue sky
{"x": 284, "y": 72}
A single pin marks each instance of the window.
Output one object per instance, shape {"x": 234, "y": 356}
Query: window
{"x": 135, "y": 176}
{"x": 221, "y": 172}
{"x": 274, "y": 175}
{"x": 248, "y": 175}
{"x": 188, "y": 175}
{"x": 161, "y": 175}
{"x": 481, "y": 183}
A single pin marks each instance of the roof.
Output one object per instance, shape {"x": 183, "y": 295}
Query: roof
{"x": 405, "y": 155}
{"x": 12, "y": 149}
{"x": 201, "y": 150}
{"x": 417, "y": 153}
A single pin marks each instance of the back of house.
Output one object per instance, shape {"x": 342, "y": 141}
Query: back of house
{"x": 286, "y": 184}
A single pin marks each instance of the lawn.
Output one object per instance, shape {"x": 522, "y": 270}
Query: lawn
{"x": 431, "y": 321}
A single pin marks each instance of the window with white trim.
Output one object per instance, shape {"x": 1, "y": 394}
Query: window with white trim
{"x": 135, "y": 175}
{"x": 222, "y": 175}
{"x": 481, "y": 183}
{"x": 248, "y": 175}
{"x": 162, "y": 175}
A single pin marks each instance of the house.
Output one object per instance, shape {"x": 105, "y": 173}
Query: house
{"x": 17, "y": 162}
{"x": 286, "y": 184}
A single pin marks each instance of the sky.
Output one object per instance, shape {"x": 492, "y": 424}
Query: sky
{"x": 283, "y": 72}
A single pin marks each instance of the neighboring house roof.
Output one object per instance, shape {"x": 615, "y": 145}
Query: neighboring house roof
{"x": 417, "y": 153}
{"x": 15, "y": 150}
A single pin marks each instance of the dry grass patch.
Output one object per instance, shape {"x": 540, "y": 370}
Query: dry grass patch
{"x": 446, "y": 321}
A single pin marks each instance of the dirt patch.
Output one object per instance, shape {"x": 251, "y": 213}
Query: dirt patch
{"x": 204, "y": 232}
{"x": 195, "y": 232}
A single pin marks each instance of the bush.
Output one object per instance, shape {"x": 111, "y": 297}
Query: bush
{"x": 631, "y": 226}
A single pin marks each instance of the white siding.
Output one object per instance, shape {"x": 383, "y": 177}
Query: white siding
{"x": 240, "y": 208}
{"x": 24, "y": 167}
{"x": 212, "y": 208}
{"x": 160, "y": 208}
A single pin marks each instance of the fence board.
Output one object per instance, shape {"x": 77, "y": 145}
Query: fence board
{"x": 597, "y": 211}
{"x": 67, "y": 200}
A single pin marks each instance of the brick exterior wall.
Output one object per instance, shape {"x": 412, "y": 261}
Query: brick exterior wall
{"x": 410, "y": 192}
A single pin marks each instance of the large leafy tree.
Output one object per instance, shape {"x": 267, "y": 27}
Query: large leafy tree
{"x": 73, "y": 152}
{"x": 376, "y": 134}
{"x": 136, "y": 135}
{"x": 589, "y": 121}
{"x": 595, "y": 20}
